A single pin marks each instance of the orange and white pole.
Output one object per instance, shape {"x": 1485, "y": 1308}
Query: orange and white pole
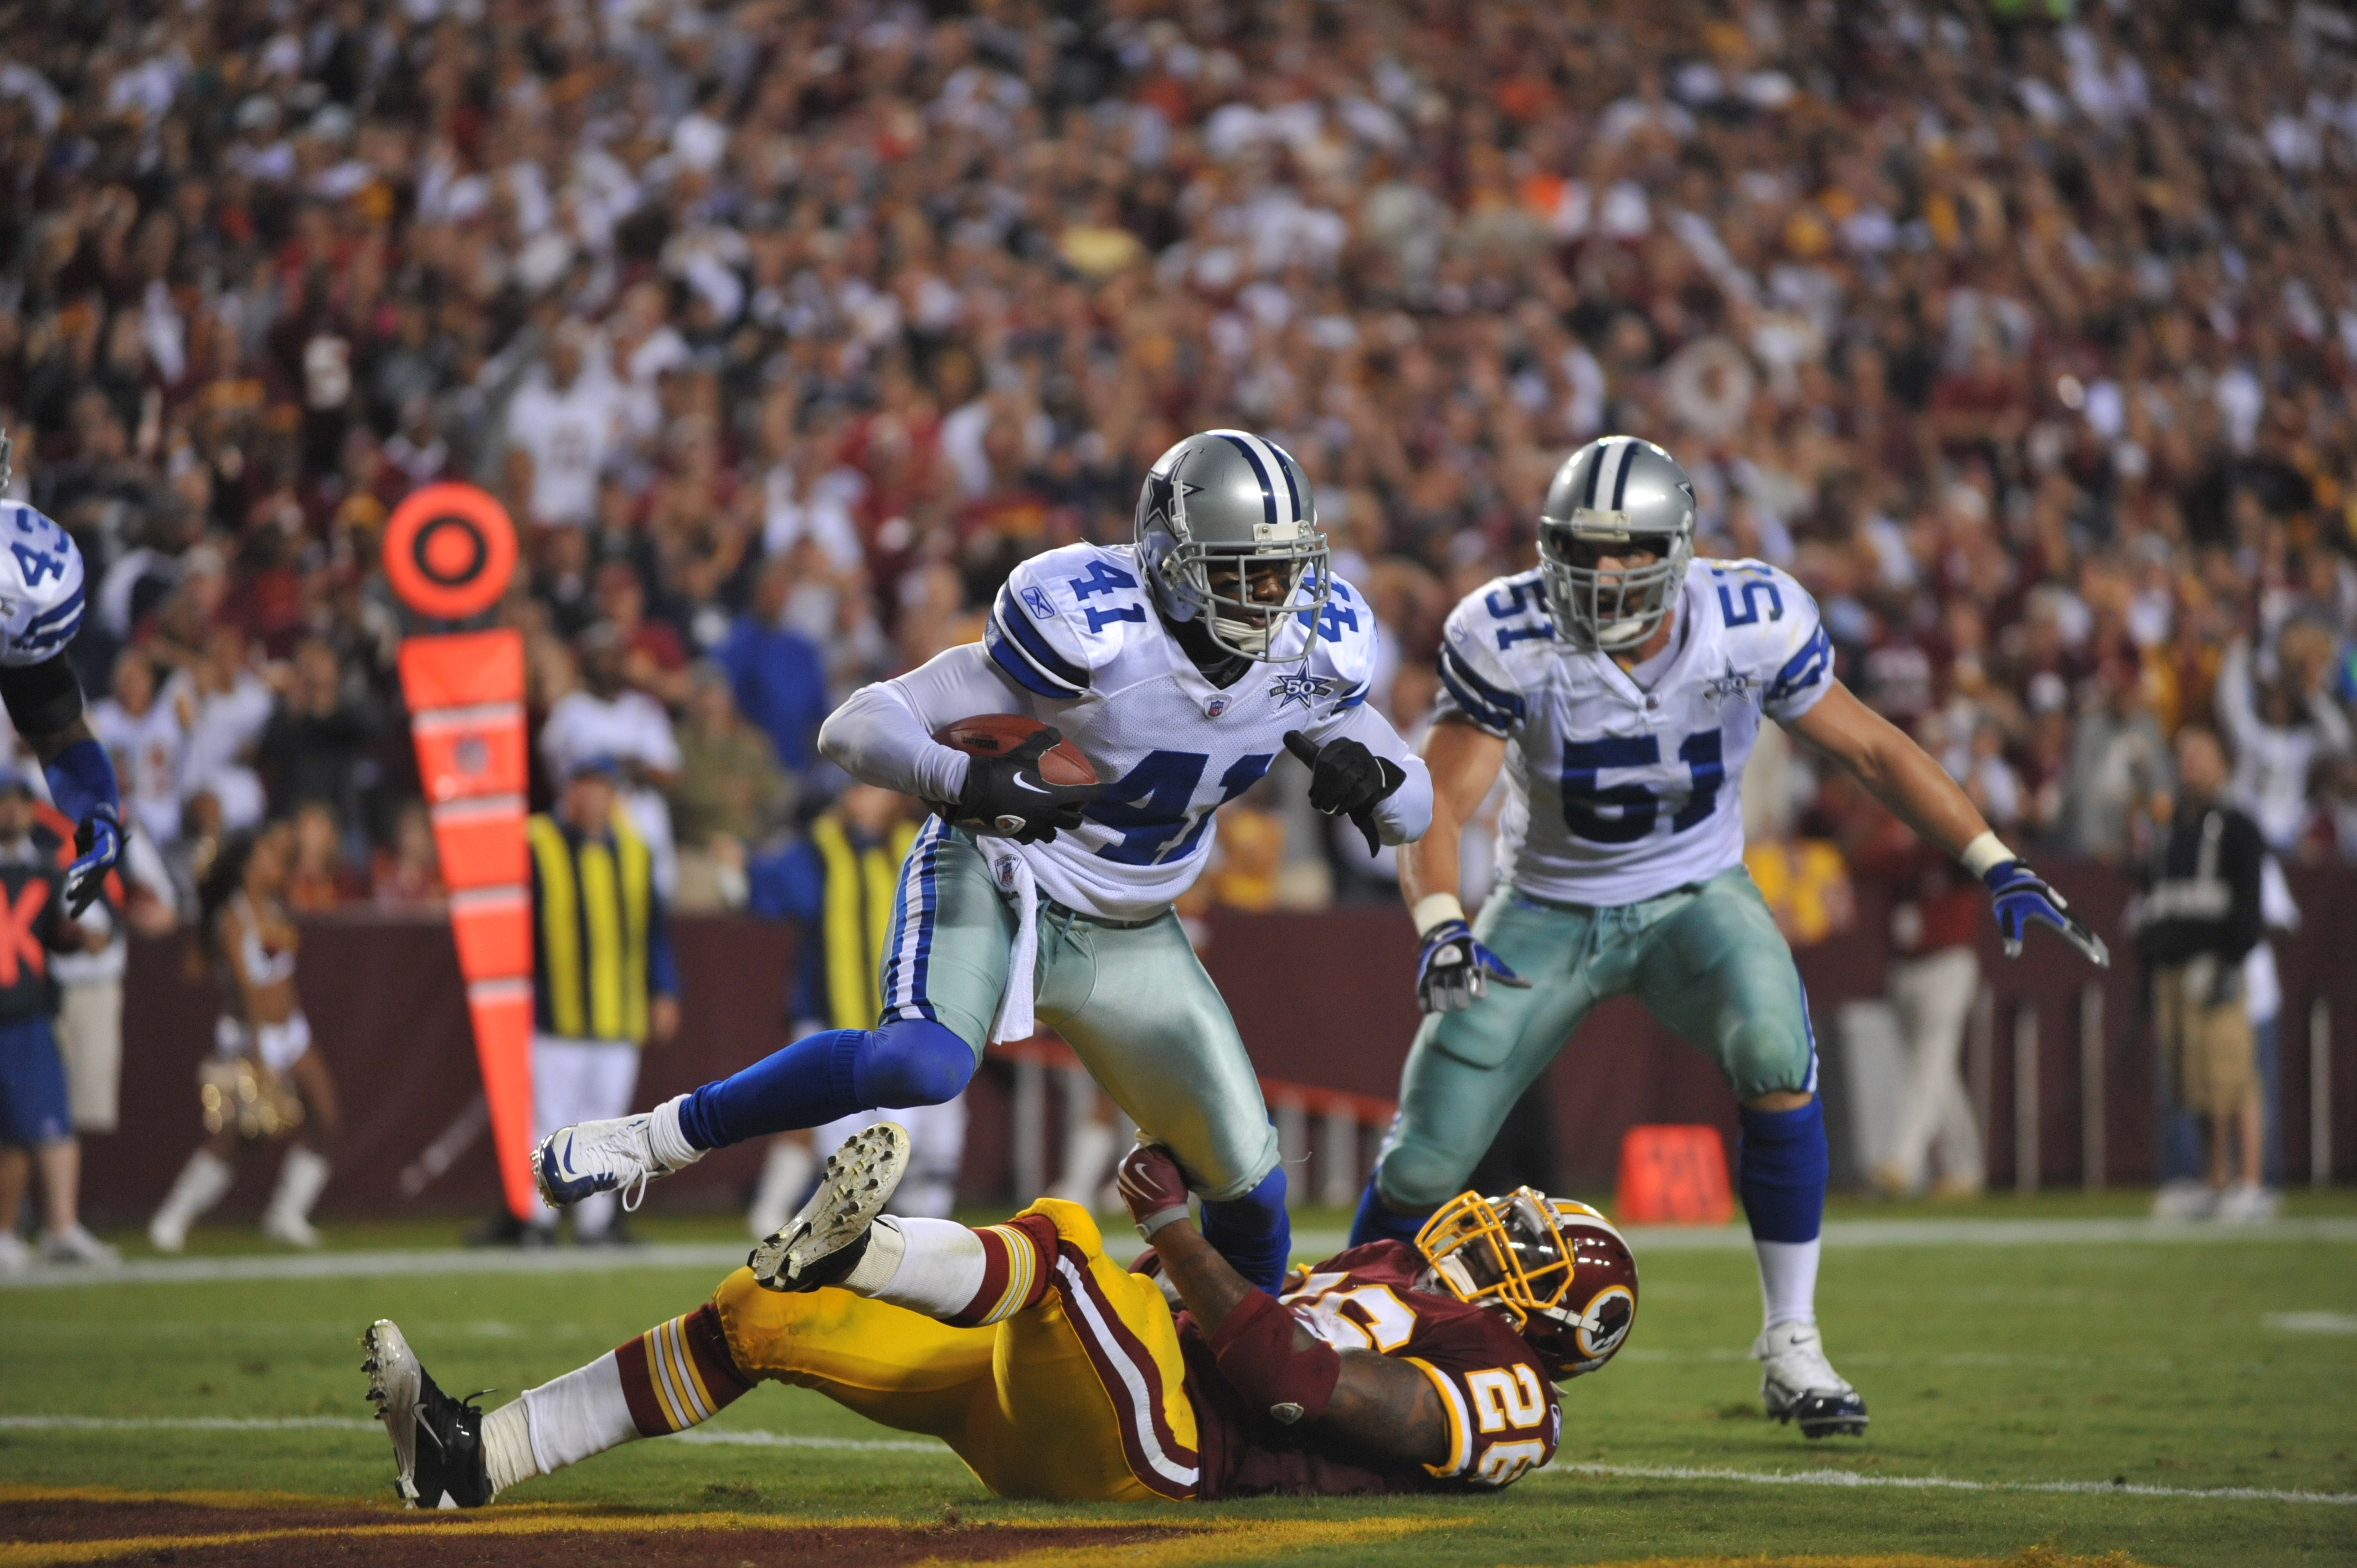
{"x": 449, "y": 552}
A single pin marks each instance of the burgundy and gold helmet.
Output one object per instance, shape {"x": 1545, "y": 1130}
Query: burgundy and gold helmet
{"x": 1558, "y": 1269}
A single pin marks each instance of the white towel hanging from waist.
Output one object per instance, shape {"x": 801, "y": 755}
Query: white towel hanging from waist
{"x": 1012, "y": 875}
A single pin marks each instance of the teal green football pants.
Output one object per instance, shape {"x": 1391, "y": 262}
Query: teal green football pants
{"x": 1706, "y": 959}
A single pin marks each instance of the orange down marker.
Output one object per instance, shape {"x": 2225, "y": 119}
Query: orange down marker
{"x": 449, "y": 551}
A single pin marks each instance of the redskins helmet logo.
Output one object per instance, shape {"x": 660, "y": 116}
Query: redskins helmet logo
{"x": 1605, "y": 1322}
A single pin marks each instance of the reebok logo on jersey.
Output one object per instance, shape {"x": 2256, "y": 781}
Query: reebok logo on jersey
{"x": 1039, "y": 605}
{"x": 1307, "y": 690}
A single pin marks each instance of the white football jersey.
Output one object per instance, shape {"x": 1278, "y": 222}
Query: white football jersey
{"x": 1616, "y": 793}
{"x": 40, "y": 586}
{"x": 1074, "y": 629}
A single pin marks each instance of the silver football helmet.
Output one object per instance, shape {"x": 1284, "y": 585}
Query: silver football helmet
{"x": 1220, "y": 512}
{"x": 7, "y": 452}
{"x": 1613, "y": 495}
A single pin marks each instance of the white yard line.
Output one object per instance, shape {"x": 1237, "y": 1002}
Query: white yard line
{"x": 1561, "y": 1468}
{"x": 1307, "y": 1245}
{"x": 1568, "y": 1468}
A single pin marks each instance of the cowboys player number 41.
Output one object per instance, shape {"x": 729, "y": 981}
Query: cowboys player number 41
{"x": 1620, "y": 684}
{"x": 1181, "y": 665}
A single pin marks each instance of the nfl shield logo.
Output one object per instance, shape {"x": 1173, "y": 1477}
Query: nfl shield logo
{"x": 1215, "y": 707}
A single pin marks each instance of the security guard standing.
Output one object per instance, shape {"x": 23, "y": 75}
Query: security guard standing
{"x": 606, "y": 983}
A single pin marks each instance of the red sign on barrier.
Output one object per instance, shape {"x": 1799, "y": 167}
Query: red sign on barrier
{"x": 1673, "y": 1175}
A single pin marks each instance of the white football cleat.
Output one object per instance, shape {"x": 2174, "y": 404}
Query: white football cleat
{"x": 1799, "y": 1385}
{"x": 2184, "y": 1200}
{"x": 821, "y": 1244}
{"x": 15, "y": 1256}
{"x": 587, "y": 1157}
{"x": 78, "y": 1246}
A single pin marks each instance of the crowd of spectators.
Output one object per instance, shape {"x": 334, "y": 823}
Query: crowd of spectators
{"x": 2022, "y": 332}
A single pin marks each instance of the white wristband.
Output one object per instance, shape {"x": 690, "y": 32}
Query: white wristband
{"x": 1985, "y": 853}
{"x": 1433, "y": 910}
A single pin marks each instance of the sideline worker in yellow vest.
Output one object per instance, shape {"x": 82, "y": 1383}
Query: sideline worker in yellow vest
{"x": 605, "y": 982}
{"x": 838, "y": 885}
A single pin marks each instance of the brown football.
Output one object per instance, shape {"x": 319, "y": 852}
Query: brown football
{"x": 991, "y": 735}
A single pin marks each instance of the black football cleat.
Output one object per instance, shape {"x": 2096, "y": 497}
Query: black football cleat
{"x": 1797, "y": 1384}
{"x": 438, "y": 1442}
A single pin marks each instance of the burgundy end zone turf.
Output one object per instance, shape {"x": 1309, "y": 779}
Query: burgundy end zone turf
{"x": 423, "y": 1537}
{"x": 991, "y": 735}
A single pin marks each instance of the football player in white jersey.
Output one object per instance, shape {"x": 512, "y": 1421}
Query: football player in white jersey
{"x": 1621, "y": 692}
{"x": 1179, "y": 665}
{"x": 41, "y": 610}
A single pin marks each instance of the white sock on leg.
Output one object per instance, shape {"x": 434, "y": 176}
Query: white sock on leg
{"x": 939, "y": 1268}
{"x": 507, "y": 1446}
{"x": 581, "y": 1413}
{"x": 666, "y": 1138}
{"x": 1788, "y": 1281}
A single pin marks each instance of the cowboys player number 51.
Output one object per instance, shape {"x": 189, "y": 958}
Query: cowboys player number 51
{"x": 41, "y": 610}
{"x": 1622, "y": 691}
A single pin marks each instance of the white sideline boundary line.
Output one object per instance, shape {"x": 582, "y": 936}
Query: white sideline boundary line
{"x": 1562, "y": 1467}
{"x": 1308, "y": 1246}
{"x": 1937, "y": 1482}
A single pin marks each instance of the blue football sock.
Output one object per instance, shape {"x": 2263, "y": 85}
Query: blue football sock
{"x": 1783, "y": 1163}
{"x": 909, "y": 1061}
{"x": 1378, "y": 1221}
{"x": 1254, "y": 1232}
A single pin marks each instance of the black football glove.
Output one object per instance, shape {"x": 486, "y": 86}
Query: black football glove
{"x": 1006, "y": 797}
{"x": 1345, "y": 779}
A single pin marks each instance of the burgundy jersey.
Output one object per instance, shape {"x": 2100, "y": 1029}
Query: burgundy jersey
{"x": 1503, "y": 1414}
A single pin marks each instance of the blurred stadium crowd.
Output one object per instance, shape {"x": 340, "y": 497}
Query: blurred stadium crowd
{"x": 2024, "y": 335}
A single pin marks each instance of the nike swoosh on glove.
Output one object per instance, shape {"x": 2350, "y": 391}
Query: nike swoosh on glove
{"x": 1454, "y": 971}
{"x": 98, "y": 843}
{"x": 1345, "y": 779}
{"x": 2021, "y": 895}
{"x": 1005, "y": 796}
{"x": 1153, "y": 1187}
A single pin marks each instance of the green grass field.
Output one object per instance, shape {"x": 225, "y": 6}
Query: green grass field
{"x": 2153, "y": 1369}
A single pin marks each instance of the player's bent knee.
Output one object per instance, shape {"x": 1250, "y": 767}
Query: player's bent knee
{"x": 912, "y": 1061}
{"x": 1764, "y": 1059}
{"x": 1417, "y": 1174}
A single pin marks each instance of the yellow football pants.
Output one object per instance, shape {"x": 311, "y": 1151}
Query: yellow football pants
{"x": 1079, "y": 1398}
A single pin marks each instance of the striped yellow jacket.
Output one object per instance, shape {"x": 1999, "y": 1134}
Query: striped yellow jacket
{"x": 601, "y": 938}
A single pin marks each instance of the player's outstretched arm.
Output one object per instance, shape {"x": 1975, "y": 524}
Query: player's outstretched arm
{"x": 1452, "y": 970}
{"x": 1363, "y": 1397}
{"x": 1918, "y": 790}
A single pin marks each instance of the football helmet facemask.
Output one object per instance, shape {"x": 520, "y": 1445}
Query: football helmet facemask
{"x": 1615, "y": 497}
{"x": 1227, "y": 532}
{"x": 1557, "y": 1269}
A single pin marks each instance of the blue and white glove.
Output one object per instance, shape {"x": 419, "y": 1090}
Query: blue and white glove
{"x": 98, "y": 843}
{"x": 1454, "y": 971}
{"x": 2021, "y": 897}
